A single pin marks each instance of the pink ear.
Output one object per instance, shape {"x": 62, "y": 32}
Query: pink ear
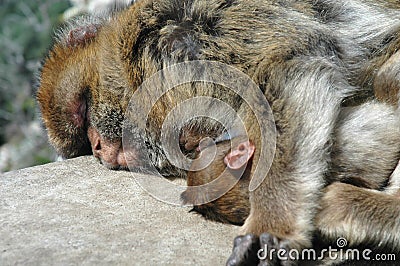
{"x": 78, "y": 111}
{"x": 239, "y": 156}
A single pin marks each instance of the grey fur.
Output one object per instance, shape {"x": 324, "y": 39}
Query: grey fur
{"x": 367, "y": 145}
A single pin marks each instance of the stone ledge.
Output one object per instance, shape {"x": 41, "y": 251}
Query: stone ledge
{"x": 78, "y": 212}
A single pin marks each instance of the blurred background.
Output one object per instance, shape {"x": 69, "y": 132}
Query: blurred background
{"x": 26, "y": 30}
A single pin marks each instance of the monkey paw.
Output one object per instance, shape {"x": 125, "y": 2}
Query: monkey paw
{"x": 244, "y": 251}
{"x": 264, "y": 250}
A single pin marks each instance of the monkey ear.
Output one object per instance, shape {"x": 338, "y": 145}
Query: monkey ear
{"x": 82, "y": 35}
{"x": 78, "y": 111}
{"x": 239, "y": 156}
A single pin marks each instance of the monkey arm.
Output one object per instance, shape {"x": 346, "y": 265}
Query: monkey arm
{"x": 285, "y": 203}
{"x": 364, "y": 217}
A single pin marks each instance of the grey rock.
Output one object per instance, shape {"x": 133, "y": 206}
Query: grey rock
{"x": 77, "y": 212}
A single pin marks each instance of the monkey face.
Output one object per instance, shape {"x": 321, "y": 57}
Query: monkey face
{"x": 79, "y": 111}
{"x": 66, "y": 79}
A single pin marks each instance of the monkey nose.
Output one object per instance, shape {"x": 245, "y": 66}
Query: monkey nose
{"x": 109, "y": 152}
{"x": 121, "y": 159}
{"x": 112, "y": 154}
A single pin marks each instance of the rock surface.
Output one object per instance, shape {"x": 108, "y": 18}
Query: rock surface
{"x": 78, "y": 212}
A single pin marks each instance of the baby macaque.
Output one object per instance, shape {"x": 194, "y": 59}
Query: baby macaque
{"x": 234, "y": 206}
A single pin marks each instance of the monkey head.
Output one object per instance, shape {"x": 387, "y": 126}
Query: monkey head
{"x": 234, "y": 164}
{"x": 75, "y": 99}
{"x": 95, "y": 68}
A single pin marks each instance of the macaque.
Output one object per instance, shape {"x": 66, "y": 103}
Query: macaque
{"x": 308, "y": 58}
{"x": 234, "y": 206}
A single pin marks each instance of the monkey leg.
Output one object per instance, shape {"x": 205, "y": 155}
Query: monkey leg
{"x": 361, "y": 216}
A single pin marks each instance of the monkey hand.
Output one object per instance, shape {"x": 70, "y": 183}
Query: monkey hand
{"x": 264, "y": 250}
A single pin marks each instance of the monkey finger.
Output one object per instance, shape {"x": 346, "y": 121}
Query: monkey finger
{"x": 269, "y": 243}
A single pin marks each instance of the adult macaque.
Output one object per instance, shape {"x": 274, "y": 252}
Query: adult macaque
{"x": 307, "y": 57}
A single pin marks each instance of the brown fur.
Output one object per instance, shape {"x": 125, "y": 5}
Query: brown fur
{"x": 234, "y": 206}
{"x": 74, "y": 68}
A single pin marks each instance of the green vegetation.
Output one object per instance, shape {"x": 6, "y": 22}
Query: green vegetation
{"x": 26, "y": 28}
